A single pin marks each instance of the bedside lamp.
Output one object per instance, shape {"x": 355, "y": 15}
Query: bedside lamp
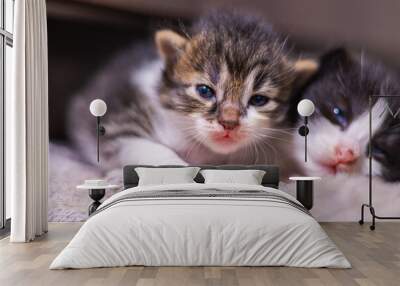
{"x": 305, "y": 108}
{"x": 98, "y": 108}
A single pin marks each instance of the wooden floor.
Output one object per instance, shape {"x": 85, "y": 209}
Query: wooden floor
{"x": 375, "y": 257}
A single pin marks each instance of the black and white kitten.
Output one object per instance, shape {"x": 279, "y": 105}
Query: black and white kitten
{"x": 386, "y": 141}
{"x": 218, "y": 94}
{"x": 339, "y": 128}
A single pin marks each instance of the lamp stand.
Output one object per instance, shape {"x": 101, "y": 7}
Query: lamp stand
{"x": 303, "y": 131}
{"x": 305, "y": 138}
{"x": 100, "y": 130}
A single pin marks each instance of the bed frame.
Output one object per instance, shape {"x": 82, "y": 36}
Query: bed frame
{"x": 271, "y": 177}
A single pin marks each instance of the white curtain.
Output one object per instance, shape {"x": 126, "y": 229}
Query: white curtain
{"x": 27, "y": 123}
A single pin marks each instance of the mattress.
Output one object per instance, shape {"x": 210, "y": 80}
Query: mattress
{"x": 201, "y": 225}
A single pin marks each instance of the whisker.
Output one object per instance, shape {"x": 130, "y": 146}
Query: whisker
{"x": 274, "y": 151}
{"x": 263, "y": 136}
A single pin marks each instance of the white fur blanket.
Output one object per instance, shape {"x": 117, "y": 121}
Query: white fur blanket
{"x": 66, "y": 171}
{"x": 337, "y": 198}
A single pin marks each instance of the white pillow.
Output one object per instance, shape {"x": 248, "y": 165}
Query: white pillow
{"x": 164, "y": 176}
{"x": 248, "y": 177}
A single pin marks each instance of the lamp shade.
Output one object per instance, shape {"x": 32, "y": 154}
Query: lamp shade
{"x": 98, "y": 107}
{"x": 305, "y": 107}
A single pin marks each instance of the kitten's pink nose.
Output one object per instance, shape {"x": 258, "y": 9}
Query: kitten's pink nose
{"x": 345, "y": 154}
{"x": 229, "y": 118}
{"x": 229, "y": 125}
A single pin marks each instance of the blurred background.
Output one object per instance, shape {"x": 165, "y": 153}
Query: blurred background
{"x": 84, "y": 34}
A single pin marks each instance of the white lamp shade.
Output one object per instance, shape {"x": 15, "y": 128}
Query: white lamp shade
{"x": 305, "y": 107}
{"x": 98, "y": 107}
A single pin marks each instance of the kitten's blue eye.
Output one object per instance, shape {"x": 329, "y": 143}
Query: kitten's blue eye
{"x": 205, "y": 91}
{"x": 337, "y": 111}
{"x": 340, "y": 116}
{"x": 258, "y": 100}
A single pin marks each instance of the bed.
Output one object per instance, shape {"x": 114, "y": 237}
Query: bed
{"x": 201, "y": 224}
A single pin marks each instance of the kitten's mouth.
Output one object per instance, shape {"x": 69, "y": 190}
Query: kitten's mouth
{"x": 227, "y": 141}
{"x": 226, "y": 137}
{"x": 333, "y": 169}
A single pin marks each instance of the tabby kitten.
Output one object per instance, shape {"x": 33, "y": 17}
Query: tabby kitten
{"x": 218, "y": 94}
{"x": 339, "y": 133}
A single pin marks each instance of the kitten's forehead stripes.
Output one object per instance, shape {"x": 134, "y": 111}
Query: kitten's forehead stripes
{"x": 259, "y": 80}
{"x": 213, "y": 73}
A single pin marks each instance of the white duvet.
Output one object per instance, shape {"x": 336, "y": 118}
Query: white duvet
{"x": 200, "y": 231}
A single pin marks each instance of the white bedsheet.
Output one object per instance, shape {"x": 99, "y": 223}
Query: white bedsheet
{"x": 200, "y": 231}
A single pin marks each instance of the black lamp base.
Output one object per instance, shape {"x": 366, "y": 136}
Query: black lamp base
{"x": 305, "y": 193}
{"x": 303, "y": 130}
{"x": 96, "y": 195}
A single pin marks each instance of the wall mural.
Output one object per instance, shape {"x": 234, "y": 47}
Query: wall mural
{"x": 223, "y": 90}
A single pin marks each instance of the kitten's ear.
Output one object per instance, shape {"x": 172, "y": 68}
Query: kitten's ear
{"x": 334, "y": 59}
{"x": 305, "y": 69}
{"x": 170, "y": 45}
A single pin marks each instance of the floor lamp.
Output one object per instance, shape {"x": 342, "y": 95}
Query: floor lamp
{"x": 305, "y": 108}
